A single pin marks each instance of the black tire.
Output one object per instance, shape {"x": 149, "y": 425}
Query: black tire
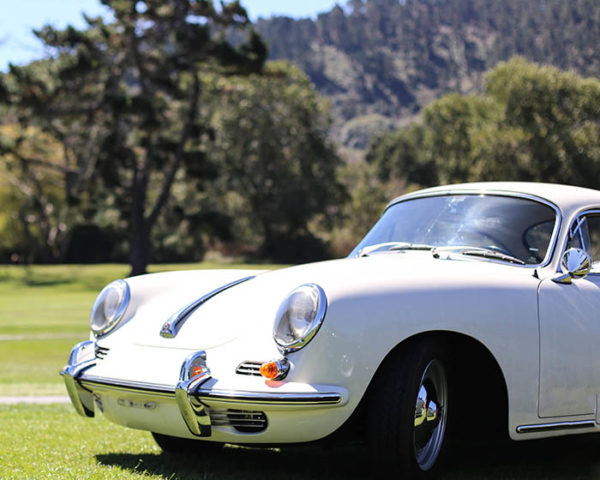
{"x": 170, "y": 444}
{"x": 408, "y": 415}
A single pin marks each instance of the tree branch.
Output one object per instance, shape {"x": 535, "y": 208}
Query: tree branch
{"x": 185, "y": 136}
{"x": 30, "y": 161}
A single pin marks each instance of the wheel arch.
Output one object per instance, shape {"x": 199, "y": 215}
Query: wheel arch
{"x": 475, "y": 374}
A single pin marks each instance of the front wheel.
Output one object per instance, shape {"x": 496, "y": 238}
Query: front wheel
{"x": 408, "y": 411}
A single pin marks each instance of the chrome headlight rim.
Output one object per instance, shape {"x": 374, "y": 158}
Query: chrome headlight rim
{"x": 113, "y": 321}
{"x": 319, "y": 317}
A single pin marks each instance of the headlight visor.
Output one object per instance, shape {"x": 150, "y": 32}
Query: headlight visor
{"x": 109, "y": 307}
{"x": 299, "y": 317}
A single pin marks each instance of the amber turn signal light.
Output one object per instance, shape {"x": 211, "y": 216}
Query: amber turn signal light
{"x": 269, "y": 370}
{"x": 275, "y": 369}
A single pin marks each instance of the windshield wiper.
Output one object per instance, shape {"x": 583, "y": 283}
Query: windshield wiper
{"x": 413, "y": 246}
{"x": 485, "y": 253}
{"x": 480, "y": 252}
{"x": 393, "y": 247}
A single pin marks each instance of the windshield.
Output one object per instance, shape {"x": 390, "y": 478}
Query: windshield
{"x": 515, "y": 227}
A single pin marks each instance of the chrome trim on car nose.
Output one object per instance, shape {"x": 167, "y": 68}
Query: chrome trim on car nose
{"x": 194, "y": 396}
{"x": 171, "y": 327}
{"x": 81, "y": 358}
{"x": 193, "y": 411}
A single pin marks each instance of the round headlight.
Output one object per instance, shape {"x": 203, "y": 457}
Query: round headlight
{"x": 109, "y": 307}
{"x": 299, "y": 317}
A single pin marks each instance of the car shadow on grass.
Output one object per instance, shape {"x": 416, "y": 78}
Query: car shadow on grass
{"x": 233, "y": 463}
{"x": 561, "y": 458}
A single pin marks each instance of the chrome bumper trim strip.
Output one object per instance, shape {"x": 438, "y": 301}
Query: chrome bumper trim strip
{"x": 270, "y": 399}
{"x": 546, "y": 427}
{"x": 229, "y": 396}
{"x": 122, "y": 385}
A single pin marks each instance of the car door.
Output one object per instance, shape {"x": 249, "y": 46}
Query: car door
{"x": 569, "y": 316}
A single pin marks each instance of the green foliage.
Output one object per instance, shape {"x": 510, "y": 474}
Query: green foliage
{"x": 35, "y": 214}
{"x": 532, "y": 123}
{"x": 123, "y": 100}
{"x": 558, "y": 113}
{"x": 392, "y": 57}
{"x": 271, "y": 140}
{"x": 166, "y": 138}
{"x": 368, "y": 197}
{"x": 358, "y": 132}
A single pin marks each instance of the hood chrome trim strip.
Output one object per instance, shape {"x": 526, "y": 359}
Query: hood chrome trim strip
{"x": 172, "y": 326}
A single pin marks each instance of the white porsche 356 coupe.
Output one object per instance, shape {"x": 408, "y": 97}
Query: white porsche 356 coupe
{"x": 465, "y": 306}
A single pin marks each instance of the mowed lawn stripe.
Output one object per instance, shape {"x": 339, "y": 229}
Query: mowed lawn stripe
{"x": 34, "y": 400}
{"x": 16, "y": 337}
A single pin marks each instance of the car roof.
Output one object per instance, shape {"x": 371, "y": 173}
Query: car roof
{"x": 566, "y": 197}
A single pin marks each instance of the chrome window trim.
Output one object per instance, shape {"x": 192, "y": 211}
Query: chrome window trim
{"x": 576, "y": 218}
{"x": 575, "y": 229}
{"x": 498, "y": 193}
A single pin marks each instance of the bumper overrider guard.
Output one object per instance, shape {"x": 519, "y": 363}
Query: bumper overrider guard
{"x": 81, "y": 358}
{"x": 194, "y": 373}
{"x": 192, "y": 400}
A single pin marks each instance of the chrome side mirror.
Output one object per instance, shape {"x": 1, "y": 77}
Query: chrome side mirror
{"x": 575, "y": 263}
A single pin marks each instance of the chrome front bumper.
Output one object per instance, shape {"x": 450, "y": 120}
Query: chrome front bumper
{"x": 195, "y": 394}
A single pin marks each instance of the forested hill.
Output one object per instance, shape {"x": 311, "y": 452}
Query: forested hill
{"x": 381, "y": 61}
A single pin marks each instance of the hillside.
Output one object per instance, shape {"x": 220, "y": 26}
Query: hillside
{"x": 381, "y": 61}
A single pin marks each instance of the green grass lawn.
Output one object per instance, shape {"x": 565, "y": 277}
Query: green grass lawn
{"x": 58, "y": 444}
{"x": 44, "y": 311}
{"x": 52, "y": 442}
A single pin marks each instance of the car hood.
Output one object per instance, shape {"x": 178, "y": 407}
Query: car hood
{"x": 248, "y": 310}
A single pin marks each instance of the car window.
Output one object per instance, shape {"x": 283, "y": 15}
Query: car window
{"x": 514, "y": 226}
{"x": 537, "y": 238}
{"x": 586, "y": 235}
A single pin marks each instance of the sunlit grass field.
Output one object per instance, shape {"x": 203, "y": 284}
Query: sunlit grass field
{"x": 53, "y": 442}
{"x": 44, "y": 310}
{"x": 57, "y": 444}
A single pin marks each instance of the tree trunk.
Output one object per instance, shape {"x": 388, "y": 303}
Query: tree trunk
{"x": 140, "y": 249}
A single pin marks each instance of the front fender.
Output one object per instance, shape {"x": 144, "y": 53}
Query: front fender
{"x": 362, "y": 328}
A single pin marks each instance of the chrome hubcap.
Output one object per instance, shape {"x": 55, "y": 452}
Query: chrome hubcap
{"x": 430, "y": 415}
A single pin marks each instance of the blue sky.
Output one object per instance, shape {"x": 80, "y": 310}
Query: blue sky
{"x": 19, "y": 17}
